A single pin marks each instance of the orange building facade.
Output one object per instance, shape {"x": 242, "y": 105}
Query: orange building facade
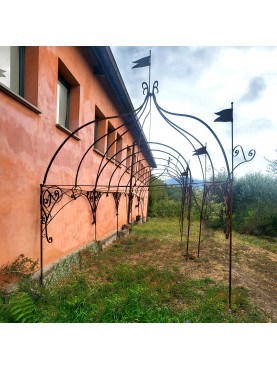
{"x": 75, "y": 165}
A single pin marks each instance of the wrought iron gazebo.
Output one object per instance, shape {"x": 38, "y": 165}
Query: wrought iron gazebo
{"x": 170, "y": 161}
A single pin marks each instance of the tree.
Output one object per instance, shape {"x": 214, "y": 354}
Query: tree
{"x": 255, "y": 204}
{"x": 272, "y": 165}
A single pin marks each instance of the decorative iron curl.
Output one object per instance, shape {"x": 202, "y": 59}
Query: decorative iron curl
{"x": 210, "y": 168}
{"x": 93, "y": 198}
{"x": 146, "y": 88}
{"x": 49, "y": 198}
{"x": 76, "y": 192}
{"x": 238, "y": 149}
{"x": 116, "y": 196}
{"x": 155, "y": 87}
{"x": 44, "y": 221}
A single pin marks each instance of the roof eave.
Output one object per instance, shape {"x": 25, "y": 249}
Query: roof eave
{"x": 109, "y": 68}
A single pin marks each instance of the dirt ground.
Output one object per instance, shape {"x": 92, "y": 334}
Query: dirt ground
{"x": 256, "y": 270}
{"x": 253, "y": 268}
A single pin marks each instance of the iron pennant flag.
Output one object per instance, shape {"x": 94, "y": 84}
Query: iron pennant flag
{"x": 2, "y": 72}
{"x": 200, "y": 151}
{"x": 143, "y": 62}
{"x": 225, "y": 115}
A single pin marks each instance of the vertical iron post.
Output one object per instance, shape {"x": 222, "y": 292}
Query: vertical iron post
{"x": 202, "y": 205}
{"x": 205, "y": 178}
{"x": 148, "y": 194}
{"x": 231, "y": 212}
{"x": 201, "y": 218}
{"x": 41, "y": 238}
{"x": 117, "y": 232}
{"x": 129, "y": 221}
{"x": 189, "y": 209}
{"x": 116, "y": 214}
{"x": 150, "y": 97}
{"x": 183, "y": 191}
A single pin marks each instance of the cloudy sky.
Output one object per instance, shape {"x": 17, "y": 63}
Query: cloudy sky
{"x": 200, "y": 81}
{"x": 197, "y": 80}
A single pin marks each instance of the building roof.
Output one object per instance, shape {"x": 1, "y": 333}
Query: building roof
{"x": 108, "y": 68}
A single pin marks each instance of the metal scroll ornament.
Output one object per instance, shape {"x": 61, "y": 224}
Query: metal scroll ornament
{"x": 116, "y": 196}
{"x": 146, "y": 88}
{"x": 239, "y": 150}
{"x": 93, "y": 199}
{"x": 50, "y": 197}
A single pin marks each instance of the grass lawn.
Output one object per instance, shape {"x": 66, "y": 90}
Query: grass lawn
{"x": 141, "y": 278}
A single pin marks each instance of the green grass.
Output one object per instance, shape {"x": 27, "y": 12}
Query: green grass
{"x": 143, "y": 294}
{"x": 110, "y": 288}
{"x": 267, "y": 243}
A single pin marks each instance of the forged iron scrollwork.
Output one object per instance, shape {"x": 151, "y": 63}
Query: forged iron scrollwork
{"x": 116, "y": 196}
{"x": 155, "y": 87}
{"x": 93, "y": 198}
{"x": 50, "y": 197}
{"x": 238, "y": 149}
{"x": 138, "y": 201}
{"x": 76, "y": 192}
{"x": 131, "y": 198}
{"x": 145, "y": 88}
{"x": 210, "y": 168}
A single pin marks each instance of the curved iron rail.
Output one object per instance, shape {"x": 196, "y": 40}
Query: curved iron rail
{"x": 84, "y": 126}
{"x": 202, "y": 122}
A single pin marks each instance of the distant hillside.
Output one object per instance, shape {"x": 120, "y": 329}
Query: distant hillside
{"x": 171, "y": 181}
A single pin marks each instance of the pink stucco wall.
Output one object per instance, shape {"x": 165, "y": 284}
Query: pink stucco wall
{"x": 28, "y": 140}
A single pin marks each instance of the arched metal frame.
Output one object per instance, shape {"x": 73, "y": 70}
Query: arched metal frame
{"x": 139, "y": 183}
{"x": 226, "y": 185}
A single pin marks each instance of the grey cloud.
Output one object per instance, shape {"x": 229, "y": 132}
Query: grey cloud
{"x": 261, "y": 124}
{"x": 255, "y": 88}
{"x": 176, "y": 62}
{"x": 184, "y": 61}
{"x": 126, "y": 55}
{"x": 257, "y": 125}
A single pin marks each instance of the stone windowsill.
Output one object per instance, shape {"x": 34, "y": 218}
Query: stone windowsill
{"x": 19, "y": 98}
{"x": 66, "y": 130}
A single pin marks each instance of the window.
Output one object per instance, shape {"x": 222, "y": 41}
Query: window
{"x": 96, "y": 132}
{"x": 19, "y": 67}
{"x": 63, "y": 99}
{"x": 12, "y": 68}
{"x": 99, "y": 131}
{"x": 68, "y": 99}
{"x": 128, "y": 157}
{"x": 118, "y": 148}
{"x": 110, "y": 141}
